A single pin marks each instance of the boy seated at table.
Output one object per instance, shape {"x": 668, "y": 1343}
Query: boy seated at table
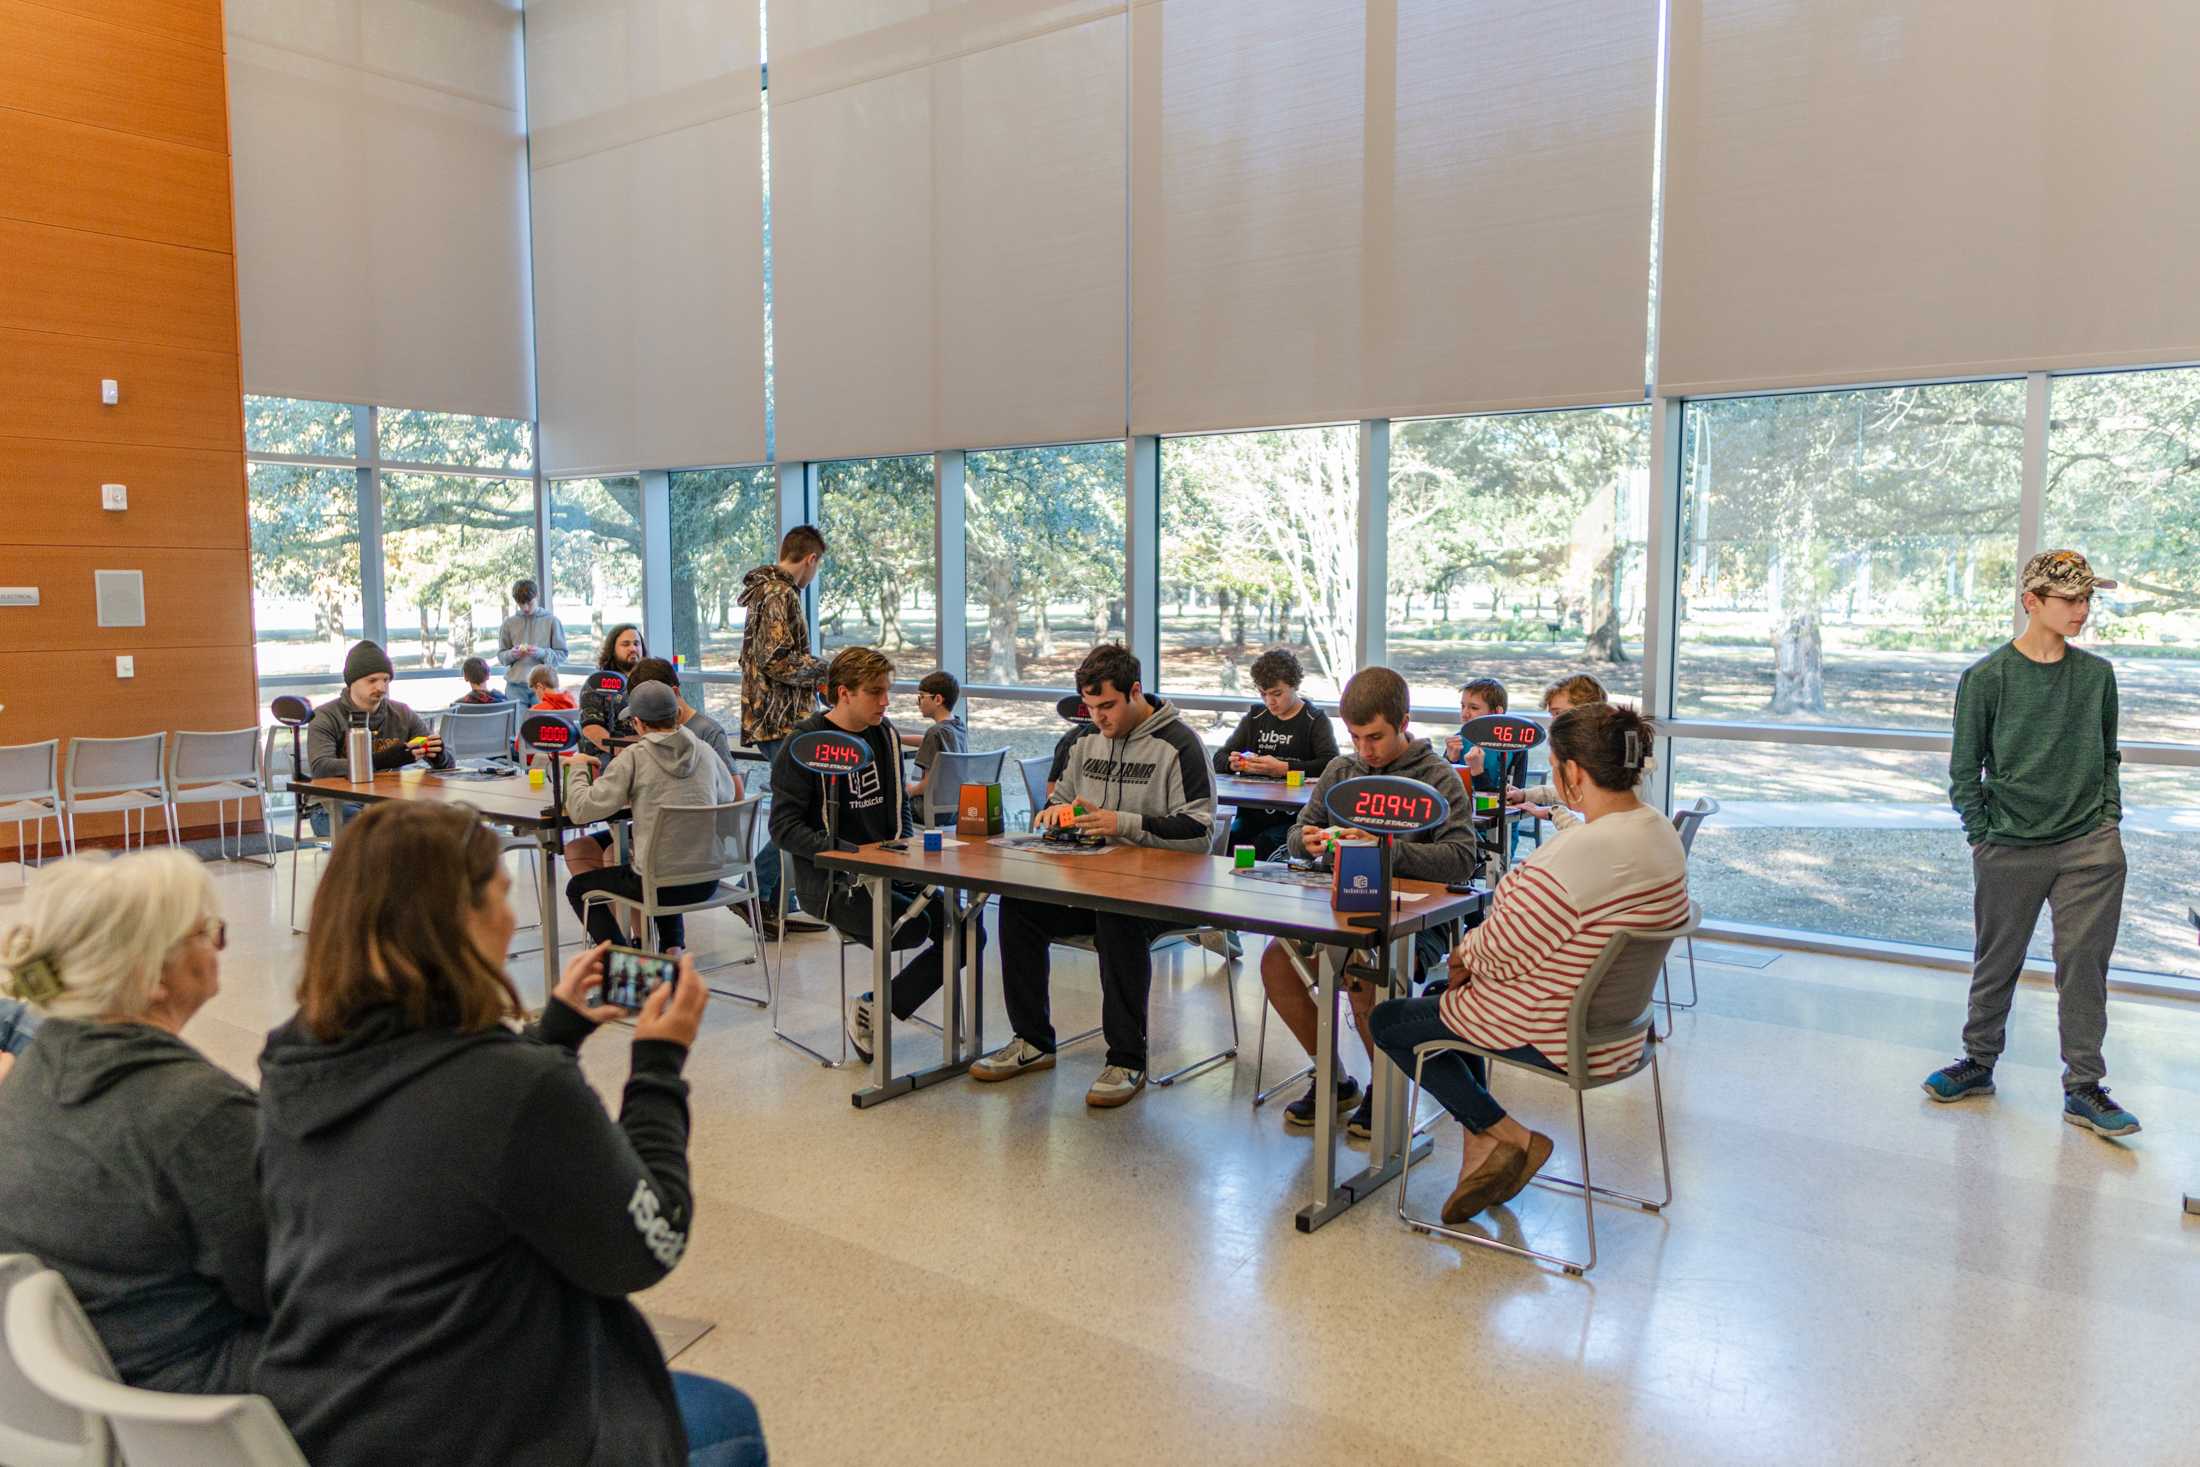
{"x": 692, "y": 718}
{"x": 398, "y": 734}
{"x": 1277, "y": 735}
{"x": 543, "y": 683}
{"x": 476, "y": 672}
{"x": 944, "y": 729}
{"x": 665, "y": 765}
{"x": 872, "y": 806}
{"x": 1374, "y": 709}
{"x": 1543, "y": 802}
{"x": 1140, "y": 778}
{"x": 1481, "y": 698}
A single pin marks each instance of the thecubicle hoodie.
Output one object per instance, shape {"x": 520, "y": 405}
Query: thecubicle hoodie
{"x": 1158, "y": 779}
{"x": 872, "y": 804}
{"x": 454, "y": 1226}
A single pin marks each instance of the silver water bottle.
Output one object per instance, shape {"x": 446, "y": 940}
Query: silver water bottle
{"x": 359, "y": 753}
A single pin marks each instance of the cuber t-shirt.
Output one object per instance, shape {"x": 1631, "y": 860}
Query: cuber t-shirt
{"x": 1304, "y": 741}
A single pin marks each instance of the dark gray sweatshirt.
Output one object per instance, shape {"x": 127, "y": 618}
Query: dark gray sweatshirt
{"x": 129, "y": 1168}
{"x": 1443, "y": 854}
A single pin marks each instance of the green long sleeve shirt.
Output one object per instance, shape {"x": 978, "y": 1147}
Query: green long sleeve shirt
{"x": 2035, "y": 759}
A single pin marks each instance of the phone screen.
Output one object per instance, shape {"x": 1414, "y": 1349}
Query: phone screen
{"x": 630, "y": 976}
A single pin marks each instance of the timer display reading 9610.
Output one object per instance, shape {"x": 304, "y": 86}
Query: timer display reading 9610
{"x": 1503, "y": 731}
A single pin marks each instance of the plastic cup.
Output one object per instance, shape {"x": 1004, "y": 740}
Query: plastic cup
{"x": 412, "y": 771}
{"x": 1294, "y": 779}
{"x": 932, "y": 841}
{"x": 1243, "y": 856}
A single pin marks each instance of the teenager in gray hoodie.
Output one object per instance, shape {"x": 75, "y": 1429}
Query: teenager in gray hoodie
{"x": 669, "y": 766}
{"x": 530, "y": 638}
{"x": 1141, "y": 778}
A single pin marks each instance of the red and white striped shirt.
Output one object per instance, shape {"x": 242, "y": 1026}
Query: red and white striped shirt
{"x": 1550, "y": 918}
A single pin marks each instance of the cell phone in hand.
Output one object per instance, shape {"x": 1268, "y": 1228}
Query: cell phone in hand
{"x": 630, "y": 976}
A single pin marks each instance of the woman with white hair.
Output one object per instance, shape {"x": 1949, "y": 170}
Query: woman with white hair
{"x": 130, "y": 1157}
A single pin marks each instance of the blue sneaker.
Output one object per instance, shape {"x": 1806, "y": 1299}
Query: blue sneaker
{"x": 1960, "y": 1081}
{"x": 2089, "y": 1106}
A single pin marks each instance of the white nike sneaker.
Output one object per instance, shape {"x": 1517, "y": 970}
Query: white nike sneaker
{"x": 859, "y": 1027}
{"x": 1115, "y": 1086}
{"x": 1014, "y": 1058}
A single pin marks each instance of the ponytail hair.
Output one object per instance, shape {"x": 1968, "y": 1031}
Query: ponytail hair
{"x": 1610, "y": 741}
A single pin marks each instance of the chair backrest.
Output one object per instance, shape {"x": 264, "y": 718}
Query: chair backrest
{"x": 154, "y": 1428}
{"x": 1688, "y": 822}
{"x": 949, "y": 773}
{"x": 692, "y": 844}
{"x": 37, "y": 1430}
{"x": 1613, "y": 1001}
{"x": 1218, "y": 840}
{"x": 214, "y": 758}
{"x": 30, "y": 771}
{"x": 1035, "y": 780}
{"x": 479, "y": 730}
{"x": 112, "y": 766}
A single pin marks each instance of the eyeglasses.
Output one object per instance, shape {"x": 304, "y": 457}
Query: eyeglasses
{"x": 214, "y": 930}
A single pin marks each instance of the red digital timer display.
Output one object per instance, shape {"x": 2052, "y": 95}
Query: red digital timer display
{"x": 825, "y": 753}
{"x": 1381, "y": 805}
{"x": 557, "y": 733}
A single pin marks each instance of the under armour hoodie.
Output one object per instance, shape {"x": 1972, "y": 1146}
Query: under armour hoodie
{"x": 1158, "y": 780}
{"x": 454, "y": 1225}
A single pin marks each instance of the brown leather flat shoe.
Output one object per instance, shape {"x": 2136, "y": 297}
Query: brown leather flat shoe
{"x": 1482, "y": 1187}
{"x": 1531, "y": 1161}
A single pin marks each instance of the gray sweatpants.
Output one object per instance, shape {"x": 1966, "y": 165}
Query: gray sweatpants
{"x": 2082, "y": 882}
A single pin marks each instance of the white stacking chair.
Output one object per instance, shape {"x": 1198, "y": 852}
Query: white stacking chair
{"x": 49, "y": 1337}
{"x": 1686, "y": 823}
{"x": 118, "y": 774}
{"x": 216, "y": 768}
{"x": 35, "y": 1429}
{"x": 30, "y": 795}
{"x": 275, "y": 774}
{"x": 730, "y": 832}
{"x": 1616, "y": 1000}
{"x": 473, "y": 732}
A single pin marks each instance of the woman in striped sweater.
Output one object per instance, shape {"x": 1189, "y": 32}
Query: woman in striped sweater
{"x": 1513, "y": 979}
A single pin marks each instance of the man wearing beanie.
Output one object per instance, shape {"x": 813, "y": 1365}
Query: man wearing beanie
{"x": 390, "y": 725}
{"x": 666, "y": 766}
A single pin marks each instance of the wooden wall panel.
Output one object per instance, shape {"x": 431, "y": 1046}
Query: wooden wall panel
{"x": 84, "y": 177}
{"x": 82, "y": 284}
{"x": 196, "y": 21}
{"x": 178, "y": 496}
{"x": 192, "y": 599}
{"x": 195, "y": 688}
{"x": 89, "y": 70}
{"x": 49, "y": 387}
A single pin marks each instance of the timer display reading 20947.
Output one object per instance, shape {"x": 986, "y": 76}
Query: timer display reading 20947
{"x": 1377, "y": 803}
{"x": 1383, "y": 804}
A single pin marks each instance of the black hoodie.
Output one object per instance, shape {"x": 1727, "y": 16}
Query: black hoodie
{"x": 126, "y": 1165}
{"x": 453, "y": 1227}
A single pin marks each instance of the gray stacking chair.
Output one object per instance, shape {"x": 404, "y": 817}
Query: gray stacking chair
{"x": 35, "y": 1429}
{"x": 949, "y": 773}
{"x": 275, "y": 774}
{"x": 1616, "y": 1000}
{"x": 216, "y": 768}
{"x": 1035, "y": 781}
{"x": 1687, "y": 823}
{"x": 473, "y": 732}
{"x": 30, "y": 794}
{"x": 731, "y": 833}
{"x": 57, "y": 1352}
{"x": 118, "y": 774}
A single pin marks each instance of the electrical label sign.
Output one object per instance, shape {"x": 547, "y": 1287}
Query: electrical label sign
{"x": 828, "y": 751}
{"x": 1386, "y": 804}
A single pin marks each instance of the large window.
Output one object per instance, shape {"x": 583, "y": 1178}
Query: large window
{"x": 1259, "y": 549}
{"x": 410, "y": 435}
{"x": 1516, "y": 550}
{"x": 306, "y": 605}
{"x": 1028, "y": 730}
{"x": 595, "y": 559}
{"x": 2123, "y": 487}
{"x": 877, "y": 589}
{"x": 451, "y": 548}
{"x": 292, "y": 425}
{"x": 1043, "y": 534}
{"x": 725, "y": 523}
{"x": 1844, "y": 555}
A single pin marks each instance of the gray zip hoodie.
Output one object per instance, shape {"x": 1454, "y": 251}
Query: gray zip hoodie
{"x": 1443, "y": 854}
{"x": 670, "y": 767}
{"x": 1158, "y": 780}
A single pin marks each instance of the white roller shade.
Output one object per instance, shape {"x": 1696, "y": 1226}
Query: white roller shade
{"x": 1387, "y": 207}
{"x": 380, "y": 163}
{"x": 947, "y": 225}
{"x": 648, "y": 232}
{"x": 1863, "y": 190}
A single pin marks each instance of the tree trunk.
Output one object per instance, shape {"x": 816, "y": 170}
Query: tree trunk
{"x": 1799, "y": 666}
{"x": 1044, "y": 647}
{"x": 1000, "y": 621}
{"x": 461, "y": 618}
{"x": 428, "y": 649}
{"x": 1101, "y": 618}
{"x": 1603, "y": 612}
{"x": 889, "y": 619}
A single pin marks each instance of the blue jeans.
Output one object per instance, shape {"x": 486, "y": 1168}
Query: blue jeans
{"x": 721, "y": 1423}
{"x": 1460, "y": 1082}
{"x": 767, "y": 855}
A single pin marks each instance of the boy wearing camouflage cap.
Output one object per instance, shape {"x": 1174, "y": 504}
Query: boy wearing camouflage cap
{"x": 2035, "y": 774}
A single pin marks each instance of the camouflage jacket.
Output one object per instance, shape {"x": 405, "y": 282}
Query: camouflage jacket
{"x": 778, "y": 675}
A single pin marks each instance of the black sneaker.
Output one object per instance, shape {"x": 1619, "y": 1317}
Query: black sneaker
{"x": 768, "y": 925}
{"x": 1362, "y": 1125}
{"x": 797, "y": 923}
{"x": 1299, "y": 1114}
